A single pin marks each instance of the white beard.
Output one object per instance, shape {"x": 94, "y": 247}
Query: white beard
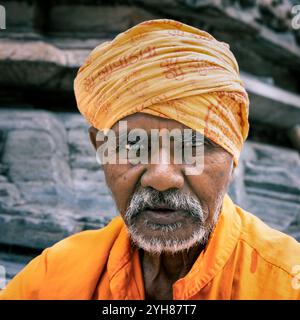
{"x": 166, "y": 243}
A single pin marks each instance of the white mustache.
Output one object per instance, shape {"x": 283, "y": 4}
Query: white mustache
{"x": 173, "y": 199}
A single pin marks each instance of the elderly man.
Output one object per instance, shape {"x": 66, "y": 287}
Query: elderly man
{"x": 179, "y": 235}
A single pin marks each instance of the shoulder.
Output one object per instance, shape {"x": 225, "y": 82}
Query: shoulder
{"x": 68, "y": 269}
{"x": 84, "y": 242}
{"x": 274, "y": 247}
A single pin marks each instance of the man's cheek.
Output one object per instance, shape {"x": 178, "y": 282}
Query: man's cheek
{"x": 120, "y": 186}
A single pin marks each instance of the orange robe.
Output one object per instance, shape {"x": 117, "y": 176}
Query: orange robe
{"x": 244, "y": 259}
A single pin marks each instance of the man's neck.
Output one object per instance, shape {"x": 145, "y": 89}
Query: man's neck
{"x": 161, "y": 271}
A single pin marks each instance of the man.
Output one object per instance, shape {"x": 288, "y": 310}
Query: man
{"x": 179, "y": 235}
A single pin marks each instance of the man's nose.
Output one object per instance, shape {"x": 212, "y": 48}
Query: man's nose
{"x": 162, "y": 177}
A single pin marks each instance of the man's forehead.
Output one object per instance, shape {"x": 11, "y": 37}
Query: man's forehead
{"x": 148, "y": 122}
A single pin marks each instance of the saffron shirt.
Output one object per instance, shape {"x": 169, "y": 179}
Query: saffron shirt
{"x": 244, "y": 259}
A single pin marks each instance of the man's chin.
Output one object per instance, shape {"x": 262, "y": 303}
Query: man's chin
{"x": 166, "y": 238}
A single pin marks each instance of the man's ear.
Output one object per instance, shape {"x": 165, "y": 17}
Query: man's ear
{"x": 93, "y": 135}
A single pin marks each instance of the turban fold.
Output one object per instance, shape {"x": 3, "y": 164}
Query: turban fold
{"x": 168, "y": 69}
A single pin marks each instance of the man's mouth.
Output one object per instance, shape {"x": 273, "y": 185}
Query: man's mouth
{"x": 163, "y": 215}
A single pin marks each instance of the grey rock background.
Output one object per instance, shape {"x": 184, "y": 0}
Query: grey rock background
{"x": 50, "y": 183}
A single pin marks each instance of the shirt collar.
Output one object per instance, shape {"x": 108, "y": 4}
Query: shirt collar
{"x": 212, "y": 259}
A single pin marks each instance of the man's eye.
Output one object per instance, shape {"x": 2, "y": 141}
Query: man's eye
{"x": 194, "y": 143}
{"x": 134, "y": 146}
{"x": 136, "y": 149}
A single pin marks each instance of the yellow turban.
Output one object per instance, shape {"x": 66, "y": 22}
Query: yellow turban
{"x": 168, "y": 69}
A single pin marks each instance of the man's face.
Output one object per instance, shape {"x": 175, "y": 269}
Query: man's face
{"x": 164, "y": 209}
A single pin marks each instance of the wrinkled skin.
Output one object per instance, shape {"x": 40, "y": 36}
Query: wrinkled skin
{"x": 161, "y": 271}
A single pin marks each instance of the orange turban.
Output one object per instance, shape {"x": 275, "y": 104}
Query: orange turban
{"x": 168, "y": 69}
